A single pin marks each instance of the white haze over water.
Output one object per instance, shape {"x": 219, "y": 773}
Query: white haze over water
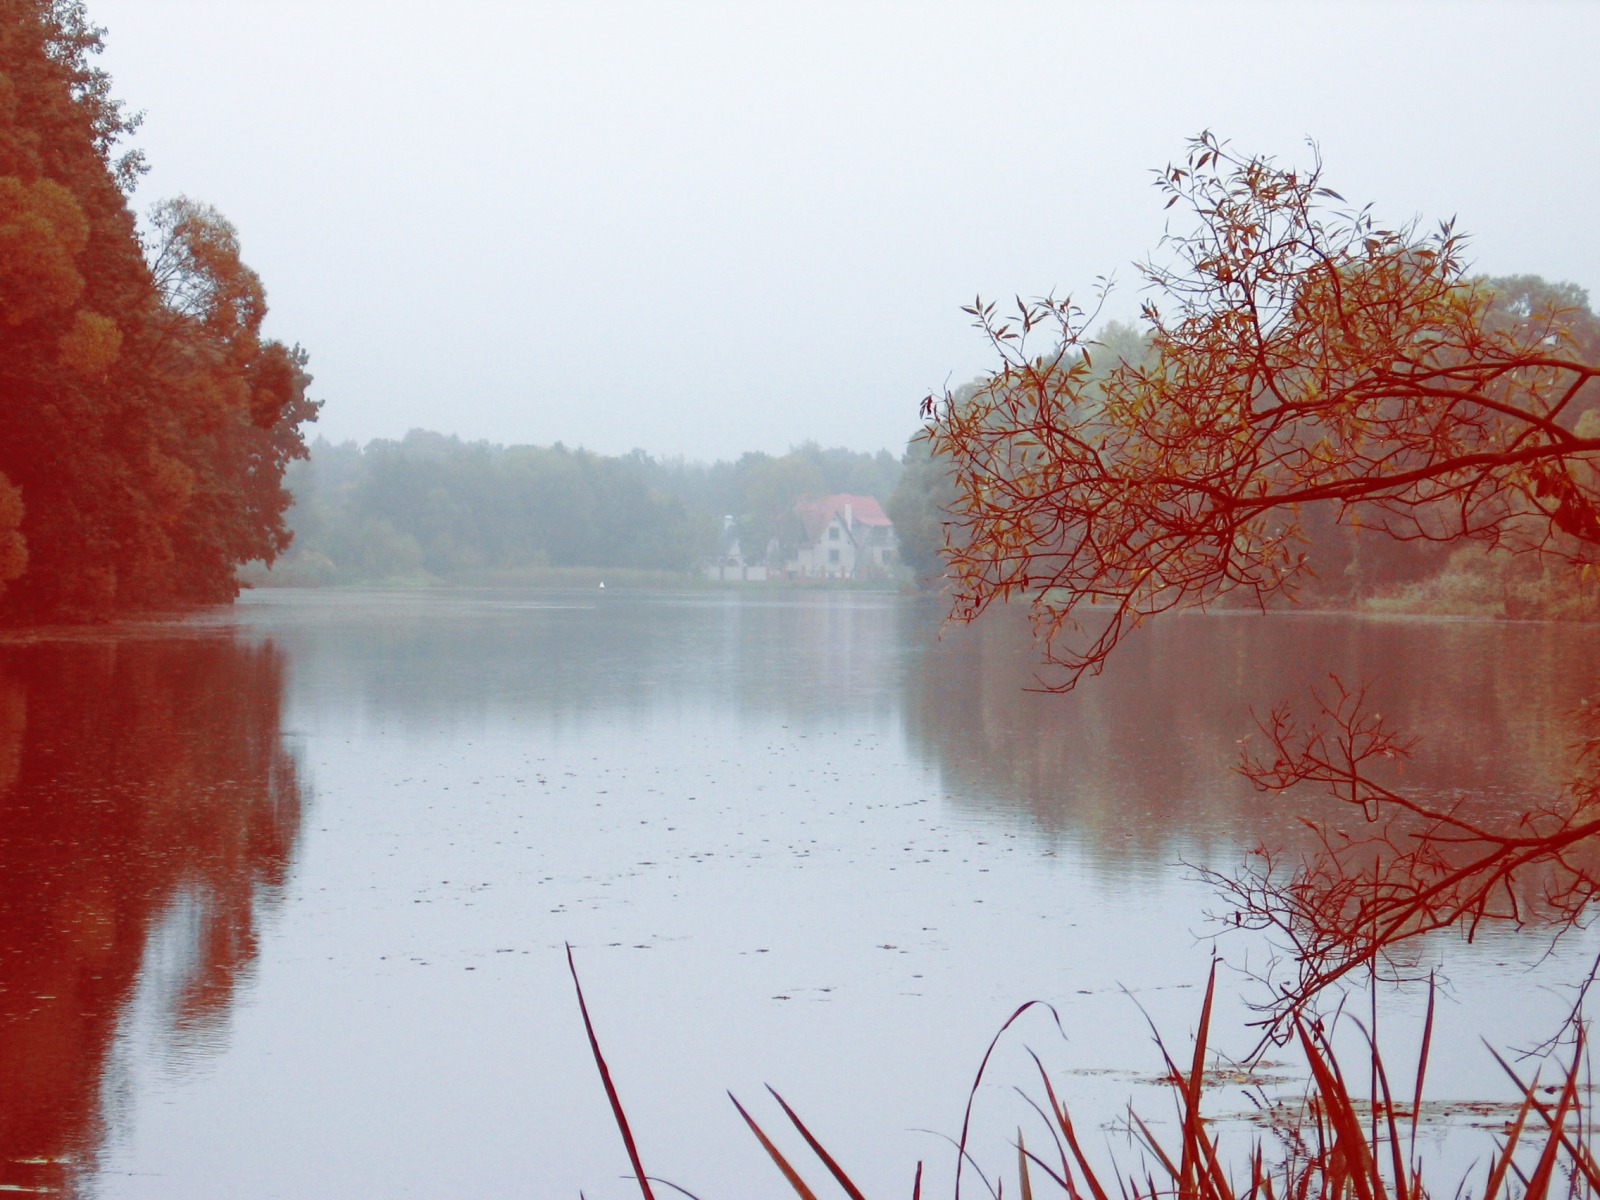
{"x": 702, "y": 229}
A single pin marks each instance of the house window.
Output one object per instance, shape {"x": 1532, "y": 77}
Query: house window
{"x": 833, "y": 533}
{"x": 833, "y": 556}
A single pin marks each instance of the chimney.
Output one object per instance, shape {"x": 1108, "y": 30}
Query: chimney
{"x": 849, "y": 515}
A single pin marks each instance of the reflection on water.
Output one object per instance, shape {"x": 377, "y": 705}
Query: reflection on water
{"x": 144, "y": 789}
{"x": 437, "y": 661}
{"x": 1140, "y": 760}
{"x": 799, "y": 838}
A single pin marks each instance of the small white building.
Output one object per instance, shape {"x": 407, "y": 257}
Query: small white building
{"x": 729, "y": 566}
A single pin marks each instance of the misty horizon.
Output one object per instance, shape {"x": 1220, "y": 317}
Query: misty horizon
{"x": 714, "y": 228}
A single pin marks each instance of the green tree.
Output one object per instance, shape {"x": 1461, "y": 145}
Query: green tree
{"x": 919, "y": 506}
{"x": 436, "y": 506}
{"x": 769, "y": 530}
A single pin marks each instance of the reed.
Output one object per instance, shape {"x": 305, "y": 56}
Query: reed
{"x": 1328, "y": 1152}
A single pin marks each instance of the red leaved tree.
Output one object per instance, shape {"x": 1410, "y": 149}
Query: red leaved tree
{"x": 1300, "y": 359}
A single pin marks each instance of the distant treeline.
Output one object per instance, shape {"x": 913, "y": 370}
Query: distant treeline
{"x": 432, "y": 506}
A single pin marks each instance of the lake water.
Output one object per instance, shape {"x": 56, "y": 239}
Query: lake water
{"x": 285, "y": 888}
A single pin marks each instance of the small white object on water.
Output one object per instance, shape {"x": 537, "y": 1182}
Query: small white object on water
{"x": 602, "y": 585}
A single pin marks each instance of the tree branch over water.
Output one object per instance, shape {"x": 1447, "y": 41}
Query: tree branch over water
{"x": 1403, "y": 867}
{"x": 1299, "y": 358}
{"x": 1299, "y": 355}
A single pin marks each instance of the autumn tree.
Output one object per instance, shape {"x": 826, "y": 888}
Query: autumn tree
{"x": 1303, "y": 361}
{"x": 147, "y": 422}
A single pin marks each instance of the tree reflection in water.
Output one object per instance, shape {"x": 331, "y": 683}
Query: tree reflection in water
{"x": 1139, "y": 762}
{"x": 141, "y": 779}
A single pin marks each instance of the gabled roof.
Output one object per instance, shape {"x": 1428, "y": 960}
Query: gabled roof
{"x": 816, "y": 514}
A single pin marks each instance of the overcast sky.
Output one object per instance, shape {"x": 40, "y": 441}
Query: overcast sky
{"x": 702, "y": 228}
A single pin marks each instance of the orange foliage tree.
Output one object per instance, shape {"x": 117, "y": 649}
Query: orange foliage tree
{"x": 147, "y": 422}
{"x": 1300, "y": 358}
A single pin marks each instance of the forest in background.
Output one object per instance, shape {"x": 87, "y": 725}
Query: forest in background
{"x": 147, "y": 422}
{"x": 432, "y": 507}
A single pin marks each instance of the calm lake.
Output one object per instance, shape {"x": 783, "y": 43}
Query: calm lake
{"x": 285, "y": 888}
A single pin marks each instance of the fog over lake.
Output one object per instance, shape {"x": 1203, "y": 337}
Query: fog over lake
{"x": 287, "y": 887}
{"x": 705, "y": 228}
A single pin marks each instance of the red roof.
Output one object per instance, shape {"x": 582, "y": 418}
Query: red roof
{"x": 816, "y": 514}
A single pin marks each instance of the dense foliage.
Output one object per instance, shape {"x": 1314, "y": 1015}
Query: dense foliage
{"x": 147, "y": 422}
{"x": 1301, "y": 359}
{"x": 431, "y": 506}
{"x": 1310, "y": 378}
{"x": 1328, "y": 554}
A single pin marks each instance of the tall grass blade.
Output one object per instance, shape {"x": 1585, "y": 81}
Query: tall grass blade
{"x": 1380, "y": 1087}
{"x": 1402, "y": 1184}
{"x": 1023, "y": 1181}
{"x": 1058, "y": 1180}
{"x": 850, "y": 1189}
{"x": 1578, "y": 1152}
{"x": 789, "y": 1173}
{"x": 611, "y": 1089}
{"x": 916, "y": 1184}
{"x": 1049, "y": 1125}
{"x": 1497, "y": 1172}
{"x": 1191, "y": 1092}
{"x": 1150, "y": 1143}
{"x": 1539, "y": 1184}
{"x": 1064, "y": 1122}
{"x": 972, "y": 1095}
{"x": 1374, "y": 1065}
{"x": 1587, "y": 1164}
{"x": 1208, "y": 1167}
{"x": 1349, "y": 1140}
{"x": 1422, "y": 1069}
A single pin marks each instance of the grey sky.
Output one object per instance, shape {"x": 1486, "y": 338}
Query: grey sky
{"x": 706, "y": 228}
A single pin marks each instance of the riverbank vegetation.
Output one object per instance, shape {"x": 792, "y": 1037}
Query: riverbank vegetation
{"x": 148, "y": 421}
{"x": 1325, "y": 1139}
{"x": 434, "y": 508}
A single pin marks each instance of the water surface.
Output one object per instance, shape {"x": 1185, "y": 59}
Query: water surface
{"x": 287, "y": 887}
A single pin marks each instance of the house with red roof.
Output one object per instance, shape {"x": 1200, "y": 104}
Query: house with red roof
{"x": 844, "y": 537}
